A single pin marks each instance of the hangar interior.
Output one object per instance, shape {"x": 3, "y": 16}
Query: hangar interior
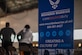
{"x": 22, "y": 12}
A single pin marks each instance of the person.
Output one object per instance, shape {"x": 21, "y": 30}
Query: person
{"x": 68, "y": 51}
{"x": 2, "y": 51}
{"x": 26, "y": 39}
{"x": 46, "y": 52}
{"x": 6, "y": 33}
{"x": 12, "y": 50}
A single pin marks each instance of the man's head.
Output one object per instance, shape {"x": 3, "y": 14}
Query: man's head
{"x": 27, "y": 26}
{"x": 7, "y": 24}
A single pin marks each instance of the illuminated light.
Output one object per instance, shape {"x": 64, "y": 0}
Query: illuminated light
{"x": 20, "y": 37}
{"x": 14, "y": 38}
{"x": 79, "y": 45}
{"x": 77, "y": 34}
{"x": 35, "y": 36}
{"x": 36, "y": 45}
{"x": 2, "y": 22}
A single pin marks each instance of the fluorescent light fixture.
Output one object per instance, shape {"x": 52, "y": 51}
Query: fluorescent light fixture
{"x": 35, "y": 36}
{"x": 77, "y": 34}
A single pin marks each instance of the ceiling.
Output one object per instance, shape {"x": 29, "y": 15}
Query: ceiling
{"x": 14, "y": 6}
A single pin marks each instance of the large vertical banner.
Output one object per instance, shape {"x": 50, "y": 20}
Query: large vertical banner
{"x": 56, "y": 18}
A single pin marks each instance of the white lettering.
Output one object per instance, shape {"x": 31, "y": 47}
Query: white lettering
{"x": 63, "y": 11}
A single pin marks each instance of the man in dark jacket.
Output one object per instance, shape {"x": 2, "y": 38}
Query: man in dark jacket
{"x": 6, "y": 33}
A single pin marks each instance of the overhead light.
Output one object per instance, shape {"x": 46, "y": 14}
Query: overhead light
{"x": 79, "y": 45}
{"x": 36, "y": 45}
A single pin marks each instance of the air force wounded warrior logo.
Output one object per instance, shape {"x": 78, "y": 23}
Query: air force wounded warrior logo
{"x": 54, "y": 4}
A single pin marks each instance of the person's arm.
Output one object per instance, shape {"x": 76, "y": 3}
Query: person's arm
{"x": 30, "y": 36}
{"x": 1, "y": 37}
{"x": 19, "y": 35}
{"x": 14, "y": 35}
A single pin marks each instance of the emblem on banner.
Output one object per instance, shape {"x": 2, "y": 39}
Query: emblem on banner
{"x": 54, "y": 4}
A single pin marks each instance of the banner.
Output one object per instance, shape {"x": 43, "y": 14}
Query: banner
{"x": 56, "y": 24}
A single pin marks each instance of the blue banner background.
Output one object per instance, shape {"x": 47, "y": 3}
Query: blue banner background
{"x": 56, "y": 30}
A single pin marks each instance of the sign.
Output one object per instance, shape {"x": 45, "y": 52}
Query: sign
{"x": 56, "y": 18}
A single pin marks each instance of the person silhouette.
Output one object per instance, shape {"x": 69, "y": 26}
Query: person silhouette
{"x": 26, "y": 39}
{"x": 6, "y": 33}
{"x": 46, "y": 52}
